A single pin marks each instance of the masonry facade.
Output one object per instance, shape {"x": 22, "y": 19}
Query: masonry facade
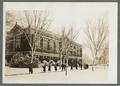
{"x": 47, "y": 45}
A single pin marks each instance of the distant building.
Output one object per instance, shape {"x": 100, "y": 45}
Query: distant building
{"x": 47, "y": 46}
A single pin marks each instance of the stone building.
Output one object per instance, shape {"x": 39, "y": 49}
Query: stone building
{"x": 48, "y": 44}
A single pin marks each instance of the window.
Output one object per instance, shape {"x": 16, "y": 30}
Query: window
{"x": 48, "y": 44}
{"x": 41, "y": 43}
{"x": 54, "y": 47}
{"x": 80, "y": 52}
{"x": 17, "y": 43}
{"x": 60, "y": 44}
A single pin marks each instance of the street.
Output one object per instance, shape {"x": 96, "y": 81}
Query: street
{"x": 21, "y": 75}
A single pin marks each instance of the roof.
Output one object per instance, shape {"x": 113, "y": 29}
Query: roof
{"x": 46, "y": 33}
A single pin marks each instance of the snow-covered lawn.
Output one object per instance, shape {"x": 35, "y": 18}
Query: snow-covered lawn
{"x": 21, "y": 75}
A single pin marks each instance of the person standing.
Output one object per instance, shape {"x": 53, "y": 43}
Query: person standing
{"x": 63, "y": 66}
{"x": 30, "y": 68}
{"x": 45, "y": 63}
{"x": 49, "y": 67}
{"x": 71, "y": 67}
{"x": 55, "y": 66}
{"x": 76, "y": 66}
{"x": 44, "y": 68}
{"x": 81, "y": 66}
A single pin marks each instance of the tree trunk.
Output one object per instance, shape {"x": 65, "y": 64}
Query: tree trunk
{"x": 66, "y": 67}
{"x": 104, "y": 63}
{"x": 32, "y": 56}
{"x": 94, "y": 60}
{"x": 31, "y": 66}
{"x": 93, "y": 65}
{"x": 60, "y": 55}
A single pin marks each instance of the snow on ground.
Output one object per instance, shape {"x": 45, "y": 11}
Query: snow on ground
{"x": 21, "y": 75}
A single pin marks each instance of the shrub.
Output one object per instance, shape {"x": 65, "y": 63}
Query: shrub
{"x": 22, "y": 61}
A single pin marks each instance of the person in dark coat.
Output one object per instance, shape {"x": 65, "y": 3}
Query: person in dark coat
{"x": 55, "y": 66}
{"x": 86, "y": 66}
{"x": 71, "y": 67}
{"x": 81, "y": 66}
{"x": 44, "y": 68}
{"x": 76, "y": 66}
{"x": 49, "y": 67}
{"x": 63, "y": 66}
{"x": 45, "y": 63}
{"x": 30, "y": 68}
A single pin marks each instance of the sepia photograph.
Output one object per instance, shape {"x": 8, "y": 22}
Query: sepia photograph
{"x": 60, "y": 42}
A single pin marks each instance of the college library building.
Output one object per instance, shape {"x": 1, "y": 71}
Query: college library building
{"x": 48, "y": 45}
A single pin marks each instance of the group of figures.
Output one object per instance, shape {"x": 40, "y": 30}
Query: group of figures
{"x": 47, "y": 66}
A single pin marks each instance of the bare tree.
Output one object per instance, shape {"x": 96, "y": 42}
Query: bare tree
{"x": 96, "y": 33}
{"x": 37, "y": 22}
{"x": 68, "y": 36}
{"x": 105, "y": 54}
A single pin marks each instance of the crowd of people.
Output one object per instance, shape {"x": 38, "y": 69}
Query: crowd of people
{"x": 59, "y": 65}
